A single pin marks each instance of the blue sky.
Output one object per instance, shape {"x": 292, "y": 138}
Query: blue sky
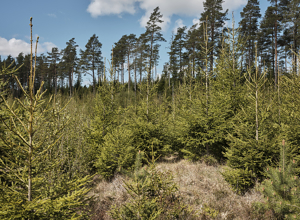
{"x": 57, "y": 21}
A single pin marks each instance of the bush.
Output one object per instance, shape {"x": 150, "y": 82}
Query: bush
{"x": 239, "y": 179}
{"x": 153, "y": 195}
{"x": 281, "y": 189}
{"x": 115, "y": 153}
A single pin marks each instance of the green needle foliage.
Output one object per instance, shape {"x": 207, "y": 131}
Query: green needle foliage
{"x": 33, "y": 183}
{"x": 255, "y": 132}
{"x": 281, "y": 189}
{"x": 153, "y": 195}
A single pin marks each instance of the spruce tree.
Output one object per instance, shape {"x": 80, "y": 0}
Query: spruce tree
{"x": 290, "y": 108}
{"x": 33, "y": 184}
{"x": 153, "y": 195}
{"x": 105, "y": 145}
{"x": 255, "y": 132}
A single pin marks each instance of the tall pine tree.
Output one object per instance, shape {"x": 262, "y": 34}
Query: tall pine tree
{"x": 215, "y": 19}
{"x": 249, "y": 27}
{"x": 91, "y": 58}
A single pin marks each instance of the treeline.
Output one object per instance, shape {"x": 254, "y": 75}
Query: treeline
{"x": 275, "y": 34}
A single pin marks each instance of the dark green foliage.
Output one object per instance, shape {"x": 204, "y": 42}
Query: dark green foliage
{"x": 203, "y": 134}
{"x": 249, "y": 156}
{"x": 150, "y": 133}
{"x": 240, "y": 179}
{"x": 290, "y": 108}
{"x": 115, "y": 153}
{"x": 118, "y": 147}
{"x": 281, "y": 188}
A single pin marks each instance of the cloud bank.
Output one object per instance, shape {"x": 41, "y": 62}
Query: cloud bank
{"x": 106, "y": 7}
{"x": 15, "y": 46}
{"x": 191, "y": 8}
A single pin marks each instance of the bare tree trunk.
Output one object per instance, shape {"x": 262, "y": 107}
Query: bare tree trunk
{"x": 128, "y": 68}
{"x": 55, "y": 80}
{"x": 276, "y": 68}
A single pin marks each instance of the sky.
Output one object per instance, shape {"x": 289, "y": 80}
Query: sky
{"x": 57, "y": 21}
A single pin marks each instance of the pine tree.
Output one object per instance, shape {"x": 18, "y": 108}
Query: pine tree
{"x": 215, "y": 19}
{"x": 69, "y": 62}
{"x": 10, "y": 61}
{"x": 141, "y": 53}
{"x": 275, "y": 21}
{"x": 130, "y": 44}
{"x": 54, "y": 58}
{"x": 290, "y": 11}
{"x": 178, "y": 54}
{"x": 22, "y": 71}
{"x": 265, "y": 43}
{"x": 119, "y": 56}
{"x": 281, "y": 188}
{"x": 249, "y": 27}
{"x": 42, "y": 70}
{"x": 153, "y": 35}
{"x": 91, "y": 58}
{"x": 191, "y": 45}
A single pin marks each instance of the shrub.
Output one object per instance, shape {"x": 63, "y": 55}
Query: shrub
{"x": 281, "y": 189}
{"x": 153, "y": 195}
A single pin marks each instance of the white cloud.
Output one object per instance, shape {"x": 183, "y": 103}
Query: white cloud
{"x": 86, "y": 83}
{"x": 233, "y": 4}
{"x": 196, "y": 21}
{"x": 106, "y": 7}
{"x": 178, "y": 24}
{"x": 15, "y": 46}
{"x": 190, "y": 8}
{"x": 52, "y": 15}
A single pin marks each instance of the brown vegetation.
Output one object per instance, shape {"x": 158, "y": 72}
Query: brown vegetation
{"x": 202, "y": 187}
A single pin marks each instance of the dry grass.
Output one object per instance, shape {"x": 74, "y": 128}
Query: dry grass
{"x": 204, "y": 188}
{"x": 201, "y": 186}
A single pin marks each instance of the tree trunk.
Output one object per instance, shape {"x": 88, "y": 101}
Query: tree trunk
{"x": 55, "y": 80}
{"x": 94, "y": 81}
{"x": 276, "y": 69}
{"x": 128, "y": 68}
{"x": 213, "y": 45}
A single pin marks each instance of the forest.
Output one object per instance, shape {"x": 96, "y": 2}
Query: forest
{"x": 216, "y": 136}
